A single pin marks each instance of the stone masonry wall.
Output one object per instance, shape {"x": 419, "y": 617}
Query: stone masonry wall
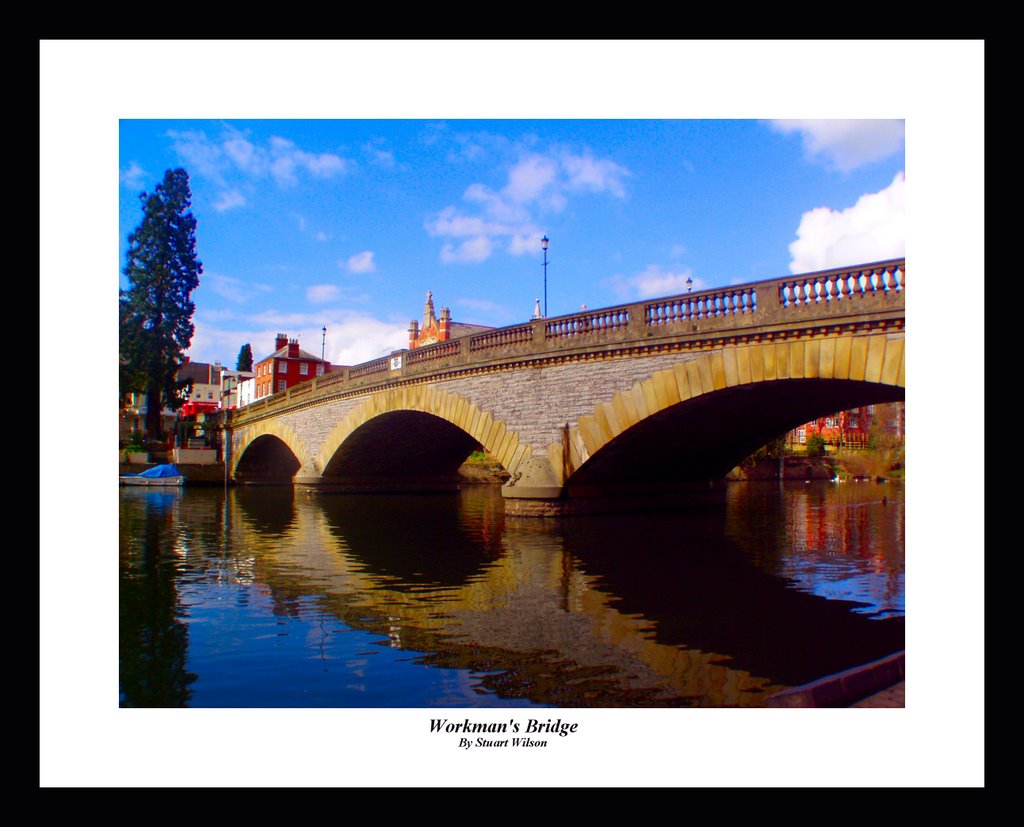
{"x": 536, "y": 403}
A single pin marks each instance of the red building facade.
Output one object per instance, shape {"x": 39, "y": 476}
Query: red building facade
{"x": 287, "y": 366}
{"x": 852, "y": 428}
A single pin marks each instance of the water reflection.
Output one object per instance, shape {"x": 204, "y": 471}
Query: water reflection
{"x": 153, "y": 637}
{"x": 707, "y": 607}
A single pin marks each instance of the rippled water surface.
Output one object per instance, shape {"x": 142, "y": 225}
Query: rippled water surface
{"x": 261, "y": 597}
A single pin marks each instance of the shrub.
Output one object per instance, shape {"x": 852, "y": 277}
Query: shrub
{"x": 815, "y": 446}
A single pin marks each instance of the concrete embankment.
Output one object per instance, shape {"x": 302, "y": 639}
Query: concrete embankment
{"x": 211, "y": 474}
{"x": 880, "y": 683}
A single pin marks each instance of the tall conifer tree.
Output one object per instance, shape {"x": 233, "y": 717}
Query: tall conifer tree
{"x": 244, "y": 358}
{"x": 156, "y": 310}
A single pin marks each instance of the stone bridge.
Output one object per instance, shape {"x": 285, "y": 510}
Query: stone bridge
{"x": 629, "y": 399}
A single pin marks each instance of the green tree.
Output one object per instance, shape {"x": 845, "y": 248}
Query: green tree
{"x": 244, "y": 358}
{"x": 156, "y": 309}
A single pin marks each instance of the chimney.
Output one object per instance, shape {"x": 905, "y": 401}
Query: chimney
{"x": 446, "y": 325}
{"x": 414, "y": 333}
{"x": 293, "y": 348}
{"x": 280, "y": 342}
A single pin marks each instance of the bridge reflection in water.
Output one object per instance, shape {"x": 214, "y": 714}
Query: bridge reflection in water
{"x": 266, "y": 596}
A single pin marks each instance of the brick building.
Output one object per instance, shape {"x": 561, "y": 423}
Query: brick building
{"x": 205, "y": 394}
{"x": 288, "y": 365}
{"x": 853, "y": 428}
{"x": 436, "y": 329}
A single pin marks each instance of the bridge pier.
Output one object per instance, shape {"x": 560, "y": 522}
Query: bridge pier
{"x": 534, "y": 491}
{"x": 618, "y": 499}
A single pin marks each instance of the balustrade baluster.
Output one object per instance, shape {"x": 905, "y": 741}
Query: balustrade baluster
{"x": 844, "y": 286}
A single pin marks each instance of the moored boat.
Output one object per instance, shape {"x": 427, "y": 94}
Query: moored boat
{"x": 160, "y": 475}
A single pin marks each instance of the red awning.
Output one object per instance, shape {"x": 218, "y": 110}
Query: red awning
{"x": 191, "y": 408}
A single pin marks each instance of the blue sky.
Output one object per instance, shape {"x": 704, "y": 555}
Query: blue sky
{"x": 347, "y": 223}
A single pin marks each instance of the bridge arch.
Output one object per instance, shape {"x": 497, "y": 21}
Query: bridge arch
{"x": 440, "y": 429}
{"x": 267, "y": 450}
{"x": 693, "y": 421}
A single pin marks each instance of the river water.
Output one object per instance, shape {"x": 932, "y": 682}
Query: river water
{"x": 266, "y": 597}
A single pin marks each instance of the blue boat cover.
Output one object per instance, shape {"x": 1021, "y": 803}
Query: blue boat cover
{"x": 159, "y": 471}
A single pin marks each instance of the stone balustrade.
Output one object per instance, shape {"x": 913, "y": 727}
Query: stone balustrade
{"x": 765, "y": 308}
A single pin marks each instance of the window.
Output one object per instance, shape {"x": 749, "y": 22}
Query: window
{"x": 320, "y": 369}
{"x": 303, "y": 369}
{"x": 282, "y": 385}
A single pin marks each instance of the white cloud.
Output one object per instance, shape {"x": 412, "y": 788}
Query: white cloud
{"x": 322, "y": 293}
{"x": 471, "y": 251}
{"x": 595, "y": 175}
{"x": 535, "y": 182}
{"x": 520, "y": 244}
{"x": 354, "y": 338}
{"x": 133, "y": 177}
{"x": 847, "y": 144}
{"x": 384, "y": 158}
{"x": 228, "y": 199}
{"x": 361, "y": 262}
{"x": 653, "y": 282}
{"x": 873, "y": 229}
{"x": 232, "y": 289}
{"x": 529, "y": 178}
{"x": 243, "y": 153}
{"x": 351, "y": 337}
{"x": 449, "y": 222}
{"x": 233, "y": 153}
{"x": 202, "y": 156}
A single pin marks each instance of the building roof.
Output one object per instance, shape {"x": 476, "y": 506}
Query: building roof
{"x": 282, "y": 353}
{"x": 460, "y": 329}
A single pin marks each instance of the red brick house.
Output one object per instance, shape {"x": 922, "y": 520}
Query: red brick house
{"x": 852, "y": 428}
{"x": 287, "y": 366}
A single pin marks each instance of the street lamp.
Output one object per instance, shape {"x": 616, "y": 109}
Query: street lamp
{"x": 544, "y": 246}
{"x": 689, "y": 284}
{"x": 323, "y": 342}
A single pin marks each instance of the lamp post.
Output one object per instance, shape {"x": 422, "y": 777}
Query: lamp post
{"x": 323, "y": 342}
{"x": 544, "y": 246}
{"x": 689, "y": 284}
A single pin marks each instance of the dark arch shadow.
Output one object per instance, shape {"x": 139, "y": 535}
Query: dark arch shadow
{"x": 705, "y": 437}
{"x": 267, "y": 459}
{"x": 401, "y": 450}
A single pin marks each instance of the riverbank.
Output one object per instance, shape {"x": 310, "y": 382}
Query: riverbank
{"x": 477, "y": 470}
{"x": 859, "y": 465}
{"x": 211, "y": 474}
